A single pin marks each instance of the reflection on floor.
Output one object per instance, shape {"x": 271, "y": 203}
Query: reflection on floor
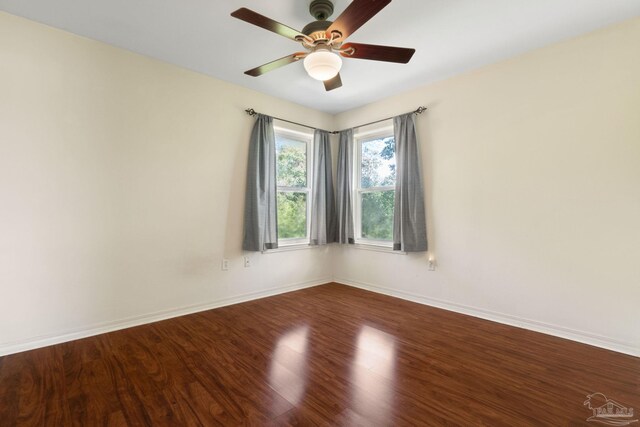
{"x": 288, "y": 373}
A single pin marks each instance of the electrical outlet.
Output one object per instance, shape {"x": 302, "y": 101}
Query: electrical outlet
{"x": 225, "y": 264}
{"x": 431, "y": 263}
{"x": 247, "y": 262}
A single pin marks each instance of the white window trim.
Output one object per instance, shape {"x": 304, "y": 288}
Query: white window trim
{"x": 304, "y": 136}
{"x": 382, "y": 130}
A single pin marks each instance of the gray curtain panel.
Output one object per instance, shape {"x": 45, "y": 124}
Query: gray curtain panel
{"x": 260, "y": 213}
{"x": 323, "y": 213}
{"x": 409, "y": 219}
{"x": 344, "y": 177}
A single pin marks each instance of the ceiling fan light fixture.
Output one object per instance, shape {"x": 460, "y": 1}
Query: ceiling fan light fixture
{"x": 322, "y": 65}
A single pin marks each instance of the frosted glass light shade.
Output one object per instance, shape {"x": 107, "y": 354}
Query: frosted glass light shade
{"x": 322, "y": 65}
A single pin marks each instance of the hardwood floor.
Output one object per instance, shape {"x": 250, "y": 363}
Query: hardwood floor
{"x": 329, "y": 355}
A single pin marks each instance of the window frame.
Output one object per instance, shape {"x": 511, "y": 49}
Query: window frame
{"x": 382, "y": 130}
{"x": 300, "y": 135}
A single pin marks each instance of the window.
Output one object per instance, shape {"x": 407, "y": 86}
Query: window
{"x": 375, "y": 179}
{"x": 293, "y": 175}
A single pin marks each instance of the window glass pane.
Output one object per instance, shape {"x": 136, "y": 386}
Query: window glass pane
{"x": 378, "y": 164}
{"x": 291, "y": 161}
{"x": 377, "y": 215}
{"x": 292, "y": 215}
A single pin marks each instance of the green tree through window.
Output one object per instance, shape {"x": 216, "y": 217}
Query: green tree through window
{"x": 377, "y": 177}
{"x": 293, "y": 191}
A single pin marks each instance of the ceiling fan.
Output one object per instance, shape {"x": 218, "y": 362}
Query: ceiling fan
{"x": 324, "y": 40}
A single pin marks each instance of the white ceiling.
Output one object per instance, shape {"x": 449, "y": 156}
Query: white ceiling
{"x": 450, "y": 37}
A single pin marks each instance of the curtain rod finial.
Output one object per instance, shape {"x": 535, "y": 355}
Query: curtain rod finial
{"x": 251, "y": 111}
{"x": 421, "y": 110}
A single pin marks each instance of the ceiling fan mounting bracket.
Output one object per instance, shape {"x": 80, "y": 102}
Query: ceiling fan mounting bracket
{"x": 335, "y": 34}
{"x": 321, "y": 9}
{"x": 346, "y": 52}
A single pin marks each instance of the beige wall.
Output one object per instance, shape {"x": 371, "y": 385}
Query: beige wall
{"x": 533, "y": 192}
{"x": 121, "y": 189}
{"x": 122, "y": 178}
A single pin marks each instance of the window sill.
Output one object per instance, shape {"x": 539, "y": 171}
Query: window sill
{"x": 358, "y": 245}
{"x": 291, "y": 247}
{"x": 377, "y": 248}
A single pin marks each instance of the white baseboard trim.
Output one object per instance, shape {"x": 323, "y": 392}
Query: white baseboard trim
{"x": 101, "y": 328}
{"x": 533, "y": 325}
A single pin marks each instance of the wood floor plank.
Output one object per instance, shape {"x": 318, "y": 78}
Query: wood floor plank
{"x": 331, "y": 355}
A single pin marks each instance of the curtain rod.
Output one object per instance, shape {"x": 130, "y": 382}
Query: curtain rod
{"x": 252, "y": 112}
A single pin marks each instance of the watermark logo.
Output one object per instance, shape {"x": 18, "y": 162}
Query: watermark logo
{"x": 608, "y": 411}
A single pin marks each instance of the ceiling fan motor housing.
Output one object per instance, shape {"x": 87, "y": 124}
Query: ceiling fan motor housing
{"x": 317, "y": 29}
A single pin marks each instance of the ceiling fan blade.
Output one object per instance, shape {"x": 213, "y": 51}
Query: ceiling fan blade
{"x": 355, "y": 15}
{"x": 255, "y": 18}
{"x": 333, "y": 83}
{"x": 378, "y": 53}
{"x": 270, "y": 66}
